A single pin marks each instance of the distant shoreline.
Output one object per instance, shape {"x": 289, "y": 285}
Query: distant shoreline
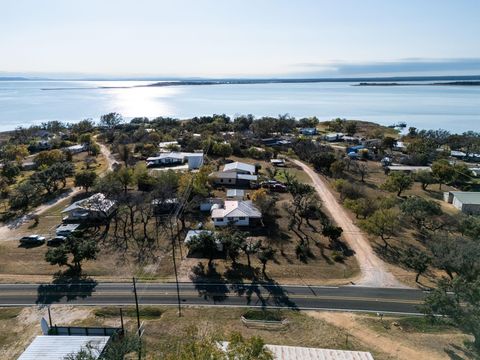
{"x": 459, "y": 81}
{"x": 449, "y": 83}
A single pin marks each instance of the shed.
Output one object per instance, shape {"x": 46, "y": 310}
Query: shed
{"x": 467, "y": 202}
{"x": 57, "y": 347}
{"x": 235, "y": 194}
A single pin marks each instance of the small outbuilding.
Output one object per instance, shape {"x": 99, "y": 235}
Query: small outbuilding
{"x": 467, "y": 202}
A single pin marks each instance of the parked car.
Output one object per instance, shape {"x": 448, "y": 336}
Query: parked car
{"x": 57, "y": 240}
{"x": 274, "y": 185}
{"x": 32, "y": 240}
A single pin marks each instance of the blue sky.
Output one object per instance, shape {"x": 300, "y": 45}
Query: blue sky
{"x": 214, "y": 38}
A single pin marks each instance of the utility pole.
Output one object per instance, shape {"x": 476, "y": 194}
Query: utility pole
{"x": 175, "y": 269}
{"x": 136, "y": 304}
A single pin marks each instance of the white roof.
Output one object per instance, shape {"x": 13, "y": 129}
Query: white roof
{"x": 192, "y": 233}
{"x": 281, "y": 352}
{"x": 304, "y": 353}
{"x": 96, "y": 202}
{"x": 167, "y": 143}
{"x": 57, "y": 347}
{"x": 408, "y": 168}
{"x": 239, "y": 166}
{"x": 174, "y": 155}
{"x": 233, "y": 208}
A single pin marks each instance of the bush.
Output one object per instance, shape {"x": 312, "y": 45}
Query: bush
{"x": 265, "y": 315}
{"x": 337, "y": 256}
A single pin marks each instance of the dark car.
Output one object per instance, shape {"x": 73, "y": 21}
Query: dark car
{"x": 32, "y": 240}
{"x": 56, "y": 241}
{"x": 274, "y": 185}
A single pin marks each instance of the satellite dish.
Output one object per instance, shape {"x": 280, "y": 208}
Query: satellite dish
{"x": 44, "y": 326}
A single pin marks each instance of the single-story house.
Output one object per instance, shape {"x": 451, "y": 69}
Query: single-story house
{"x": 66, "y": 229}
{"x": 281, "y": 352}
{"x": 29, "y": 165}
{"x": 308, "y": 131}
{"x": 408, "y": 169}
{"x": 58, "y": 347}
{"x": 457, "y": 154}
{"x": 76, "y": 149}
{"x": 399, "y": 146}
{"x": 94, "y": 208}
{"x": 239, "y": 168}
{"x": 273, "y": 142}
{"x": 193, "y": 233}
{"x": 239, "y": 213}
{"x": 467, "y": 202}
{"x": 233, "y": 179}
{"x": 194, "y": 160}
{"x": 237, "y": 194}
{"x": 334, "y": 137}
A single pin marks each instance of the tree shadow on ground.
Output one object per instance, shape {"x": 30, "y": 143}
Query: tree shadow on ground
{"x": 456, "y": 352}
{"x": 389, "y": 254}
{"x": 209, "y": 283}
{"x": 64, "y": 288}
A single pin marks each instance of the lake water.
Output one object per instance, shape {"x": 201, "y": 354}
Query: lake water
{"x": 454, "y": 108}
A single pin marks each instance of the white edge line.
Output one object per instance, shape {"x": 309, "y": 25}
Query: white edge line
{"x": 225, "y": 306}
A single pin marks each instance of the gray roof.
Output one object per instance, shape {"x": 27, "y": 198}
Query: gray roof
{"x": 192, "y": 233}
{"x": 467, "y": 197}
{"x": 235, "y": 193}
{"x": 239, "y": 166}
{"x": 57, "y": 347}
{"x": 96, "y": 202}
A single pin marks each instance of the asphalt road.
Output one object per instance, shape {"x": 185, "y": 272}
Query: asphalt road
{"x": 349, "y": 298}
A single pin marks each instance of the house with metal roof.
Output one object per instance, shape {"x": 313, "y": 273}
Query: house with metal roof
{"x": 238, "y": 213}
{"x": 281, "y": 352}
{"x": 58, "y": 347}
{"x": 194, "y": 160}
{"x": 94, "y": 208}
{"x": 240, "y": 168}
{"x": 233, "y": 179}
{"x": 467, "y": 202}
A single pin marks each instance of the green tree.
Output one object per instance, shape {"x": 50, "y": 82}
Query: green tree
{"x": 85, "y": 179}
{"x": 350, "y": 127}
{"x": 423, "y": 212}
{"x": 333, "y": 233}
{"x": 416, "y": 260}
{"x": 24, "y": 195}
{"x": 383, "y": 223}
{"x": 398, "y": 182}
{"x": 206, "y": 243}
{"x": 337, "y": 168}
{"x": 443, "y": 172}
{"x": 125, "y": 177}
{"x": 10, "y": 171}
{"x": 74, "y": 251}
{"x": 459, "y": 299}
{"x": 254, "y": 348}
{"x": 49, "y": 157}
{"x": 425, "y": 178}
{"x": 361, "y": 207}
{"x": 111, "y": 120}
{"x": 223, "y": 150}
{"x": 265, "y": 254}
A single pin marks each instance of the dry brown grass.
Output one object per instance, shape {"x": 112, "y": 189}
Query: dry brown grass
{"x": 329, "y": 330}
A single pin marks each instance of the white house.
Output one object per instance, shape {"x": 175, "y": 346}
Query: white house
{"x": 239, "y": 213}
{"x": 95, "y": 208}
{"x": 76, "y": 149}
{"x": 240, "y": 168}
{"x": 166, "y": 146}
{"x": 334, "y": 137}
{"x": 194, "y": 160}
{"x": 232, "y": 178}
{"x": 467, "y": 202}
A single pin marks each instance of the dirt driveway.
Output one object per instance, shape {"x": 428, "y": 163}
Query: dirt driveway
{"x": 373, "y": 269}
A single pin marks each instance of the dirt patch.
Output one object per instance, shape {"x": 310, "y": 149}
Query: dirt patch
{"x": 383, "y": 336}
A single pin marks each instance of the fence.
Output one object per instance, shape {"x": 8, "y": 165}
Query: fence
{"x": 265, "y": 324}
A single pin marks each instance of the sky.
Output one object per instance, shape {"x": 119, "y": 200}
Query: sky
{"x": 239, "y": 38}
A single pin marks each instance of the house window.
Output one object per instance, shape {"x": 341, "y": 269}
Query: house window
{"x": 241, "y": 218}
{"x": 229, "y": 180}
